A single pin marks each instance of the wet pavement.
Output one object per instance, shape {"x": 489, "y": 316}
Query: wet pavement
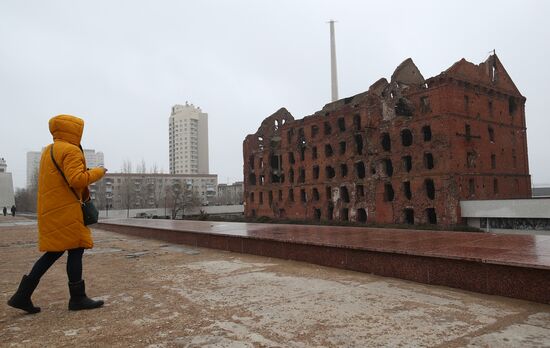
{"x": 532, "y": 251}
{"x": 170, "y": 295}
{"x": 516, "y": 266}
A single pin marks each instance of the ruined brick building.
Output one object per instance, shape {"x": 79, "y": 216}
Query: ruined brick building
{"x": 405, "y": 151}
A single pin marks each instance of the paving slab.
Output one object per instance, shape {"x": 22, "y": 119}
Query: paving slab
{"x": 183, "y": 296}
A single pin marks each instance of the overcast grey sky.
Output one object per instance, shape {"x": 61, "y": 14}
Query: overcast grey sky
{"x": 121, "y": 65}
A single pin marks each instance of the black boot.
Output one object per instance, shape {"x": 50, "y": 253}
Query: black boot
{"x": 22, "y": 297}
{"x": 79, "y": 300}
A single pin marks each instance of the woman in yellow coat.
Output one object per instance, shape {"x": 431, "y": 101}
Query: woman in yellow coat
{"x": 60, "y": 221}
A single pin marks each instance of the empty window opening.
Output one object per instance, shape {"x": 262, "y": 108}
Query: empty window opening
{"x": 328, "y": 191}
{"x": 329, "y": 172}
{"x": 251, "y": 197}
{"x": 302, "y": 153}
{"x": 358, "y": 144}
{"x": 388, "y": 192}
{"x": 282, "y": 213}
{"x": 291, "y": 158}
{"x": 491, "y": 132}
{"x": 427, "y": 132}
{"x": 330, "y": 212}
{"x": 468, "y": 131}
{"x": 253, "y": 213}
{"x": 291, "y": 175}
{"x": 270, "y": 195}
{"x": 430, "y": 188}
{"x": 280, "y": 195}
{"x": 314, "y": 152}
{"x": 328, "y": 150}
{"x": 471, "y": 187}
{"x": 344, "y": 194}
{"x": 428, "y": 161}
{"x": 303, "y": 196}
{"x": 251, "y": 162}
{"x": 466, "y": 103}
{"x": 372, "y": 168}
{"x": 409, "y": 216}
{"x": 327, "y": 128}
{"x": 359, "y": 192}
{"x": 403, "y": 108}
{"x": 361, "y": 215}
{"x": 252, "y": 179}
{"x": 470, "y": 159}
{"x": 314, "y": 131}
{"x": 493, "y": 161}
{"x": 388, "y": 167}
{"x": 360, "y": 170}
{"x": 315, "y": 194}
{"x": 262, "y": 180}
{"x": 357, "y": 122}
{"x": 431, "y": 216}
{"x": 276, "y": 162}
{"x": 342, "y": 124}
{"x": 407, "y": 163}
{"x": 407, "y": 189}
{"x": 424, "y": 104}
{"x": 315, "y": 172}
{"x": 290, "y": 135}
{"x": 386, "y": 142}
{"x": 276, "y": 177}
{"x": 342, "y": 147}
{"x": 317, "y": 214}
{"x": 495, "y": 186}
{"x": 302, "y": 175}
{"x": 261, "y": 143}
{"x": 291, "y": 195}
{"x": 512, "y": 106}
{"x": 344, "y": 214}
{"x": 343, "y": 170}
{"x": 406, "y": 137}
{"x": 261, "y": 198}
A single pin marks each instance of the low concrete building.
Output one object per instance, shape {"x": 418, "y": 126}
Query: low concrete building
{"x": 541, "y": 191}
{"x": 153, "y": 190}
{"x": 507, "y": 215}
{"x": 231, "y": 194}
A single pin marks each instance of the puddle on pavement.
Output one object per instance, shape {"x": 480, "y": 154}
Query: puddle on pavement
{"x": 180, "y": 249}
{"x": 97, "y": 250}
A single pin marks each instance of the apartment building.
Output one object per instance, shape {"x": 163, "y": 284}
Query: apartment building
{"x": 188, "y": 140}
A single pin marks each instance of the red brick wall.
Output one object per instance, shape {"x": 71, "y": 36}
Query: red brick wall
{"x": 452, "y": 102}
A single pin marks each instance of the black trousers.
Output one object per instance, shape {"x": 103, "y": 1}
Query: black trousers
{"x": 74, "y": 264}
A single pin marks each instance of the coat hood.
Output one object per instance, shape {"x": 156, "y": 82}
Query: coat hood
{"x": 67, "y": 127}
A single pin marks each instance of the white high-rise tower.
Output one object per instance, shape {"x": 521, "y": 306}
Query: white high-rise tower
{"x": 188, "y": 140}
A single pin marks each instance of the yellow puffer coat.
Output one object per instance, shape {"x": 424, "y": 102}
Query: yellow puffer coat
{"x": 60, "y": 221}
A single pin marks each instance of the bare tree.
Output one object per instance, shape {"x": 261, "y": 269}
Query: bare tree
{"x": 127, "y": 192}
{"x": 183, "y": 196}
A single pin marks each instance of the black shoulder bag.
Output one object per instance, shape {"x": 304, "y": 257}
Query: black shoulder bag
{"x": 89, "y": 211}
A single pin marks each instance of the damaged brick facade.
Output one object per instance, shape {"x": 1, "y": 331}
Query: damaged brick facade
{"x": 405, "y": 151}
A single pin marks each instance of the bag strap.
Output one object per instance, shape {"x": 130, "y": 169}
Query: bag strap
{"x": 63, "y": 175}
